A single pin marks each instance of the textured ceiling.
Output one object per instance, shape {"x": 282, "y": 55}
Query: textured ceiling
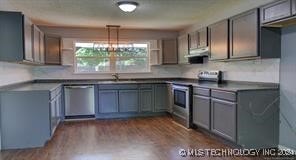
{"x": 151, "y": 14}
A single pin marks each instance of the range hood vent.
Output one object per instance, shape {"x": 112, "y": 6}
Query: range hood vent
{"x": 199, "y": 52}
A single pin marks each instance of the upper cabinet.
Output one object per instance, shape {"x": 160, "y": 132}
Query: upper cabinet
{"x": 293, "y": 7}
{"x": 183, "y": 49}
{"x": 20, "y": 40}
{"x": 198, "y": 39}
{"x": 16, "y": 37}
{"x": 169, "y": 51}
{"x": 38, "y": 45}
{"x": 202, "y": 38}
{"x": 218, "y": 40}
{"x": 193, "y": 40}
{"x": 277, "y": 10}
{"x": 52, "y": 50}
{"x": 155, "y": 48}
{"x": 244, "y": 35}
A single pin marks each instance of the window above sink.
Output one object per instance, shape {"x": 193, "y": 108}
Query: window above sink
{"x": 96, "y": 57}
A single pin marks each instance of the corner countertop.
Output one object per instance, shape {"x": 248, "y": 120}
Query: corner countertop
{"x": 51, "y": 84}
{"x": 232, "y": 86}
{"x": 31, "y": 86}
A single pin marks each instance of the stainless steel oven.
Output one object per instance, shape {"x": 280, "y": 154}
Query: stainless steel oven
{"x": 181, "y": 110}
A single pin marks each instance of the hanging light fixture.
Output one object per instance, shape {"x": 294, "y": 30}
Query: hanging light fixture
{"x": 127, "y": 6}
{"x": 113, "y": 46}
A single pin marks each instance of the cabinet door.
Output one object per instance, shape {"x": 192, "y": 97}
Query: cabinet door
{"x": 108, "y": 101}
{"x": 128, "y": 101}
{"x": 293, "y": 7}
{"x": 201, "y": 111}
{"x": 218, "y": 40}
{"x": 146, "y": 100}
{"x": 182, "y": 49}
{"x": 160, "y": 97}
{"x": 53, "y": 115}
{"x": 41, "y": 46}
{"x": 203, "y": 37}
{"x": 59, "y": 108}
{"x": 223, "y": 118}
{"x": 276, "y": 11}
{"x": 28, "y": 40}
{"x": 169, "y": 51}
{"x": 244, "y": 35}
{"x": 52, "y": 50}
{"x": 36, "y": 44}
{"x": 193, "y": 40}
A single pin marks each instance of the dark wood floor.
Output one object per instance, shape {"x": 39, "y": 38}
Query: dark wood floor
{"x": 154, "y": 138}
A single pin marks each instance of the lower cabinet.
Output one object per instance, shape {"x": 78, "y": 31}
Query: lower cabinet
{"x": 223, "y": 118}
{"x": 30, "y": 117}
{"x": 141, "y": 99}
{"x": 146, "y": 100}
{"x": 161, "y": 98}
{"x": 128, "y": 100}
{"x": 55, "y": 110}
{"x": 108, "y": 101}
{"x": 201, "y": 111}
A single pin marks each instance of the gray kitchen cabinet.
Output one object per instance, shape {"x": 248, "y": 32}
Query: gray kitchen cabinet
{"x": 160, "y": 97}
{"x": 193, "y": 40}
{"x": 30, "y": 118}
{"x": 183, "y": 49}
{"x": 55, "y": 110}
{"x": 146, "y": 100}
{"x": 169, "y": 51}
{"x": 223, "y": 118}
{"x": 244, "y": 35}
{"x": 16, "y": 37}
{"x": 218, "y": 40}
{"x": 293, "y": 7}
{"x": 201, "y": 111}
{"x": 128, "y": 100}
{"x": 108, "y": 101}
{"x": 202, "y": 37}
{"x": 38, "y": 45}
{"x": 276, "y": 11}
{"x": 52, "y": 50}
{"x": 42, "y": 47}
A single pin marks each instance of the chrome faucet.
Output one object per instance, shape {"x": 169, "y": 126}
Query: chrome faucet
{"x": 116, "y": 76}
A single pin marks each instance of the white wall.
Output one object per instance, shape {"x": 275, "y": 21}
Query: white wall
{"x": 266, "y": 70}
{"x": 11, "y": 73}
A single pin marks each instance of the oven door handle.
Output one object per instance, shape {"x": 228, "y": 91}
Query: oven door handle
{"x": 180, "y": 88}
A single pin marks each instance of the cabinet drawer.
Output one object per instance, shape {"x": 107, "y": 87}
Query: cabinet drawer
{"x": 201, "y": 91}
{"x": 230, "y": 96}
{"x": 275, "y": 11}
{"x": 118, "y": 86}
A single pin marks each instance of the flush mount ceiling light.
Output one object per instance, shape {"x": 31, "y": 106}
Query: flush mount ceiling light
{"x": 127, "y": 6}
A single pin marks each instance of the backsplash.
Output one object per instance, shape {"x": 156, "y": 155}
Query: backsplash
{"x": 265, "y": 70}
{"x": 11, "y": 73}
{"x": 61, "y": 72}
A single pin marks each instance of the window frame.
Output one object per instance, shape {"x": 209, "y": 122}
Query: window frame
{"x": 75, "y": 71}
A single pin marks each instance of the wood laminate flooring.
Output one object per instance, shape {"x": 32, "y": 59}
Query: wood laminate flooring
{"x": 150, "y": 138}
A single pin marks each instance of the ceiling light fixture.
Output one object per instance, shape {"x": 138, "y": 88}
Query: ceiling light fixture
{"x": 127, "y": 6}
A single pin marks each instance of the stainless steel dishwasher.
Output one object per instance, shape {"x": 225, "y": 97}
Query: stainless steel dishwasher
{"x": 79, "y": 101}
